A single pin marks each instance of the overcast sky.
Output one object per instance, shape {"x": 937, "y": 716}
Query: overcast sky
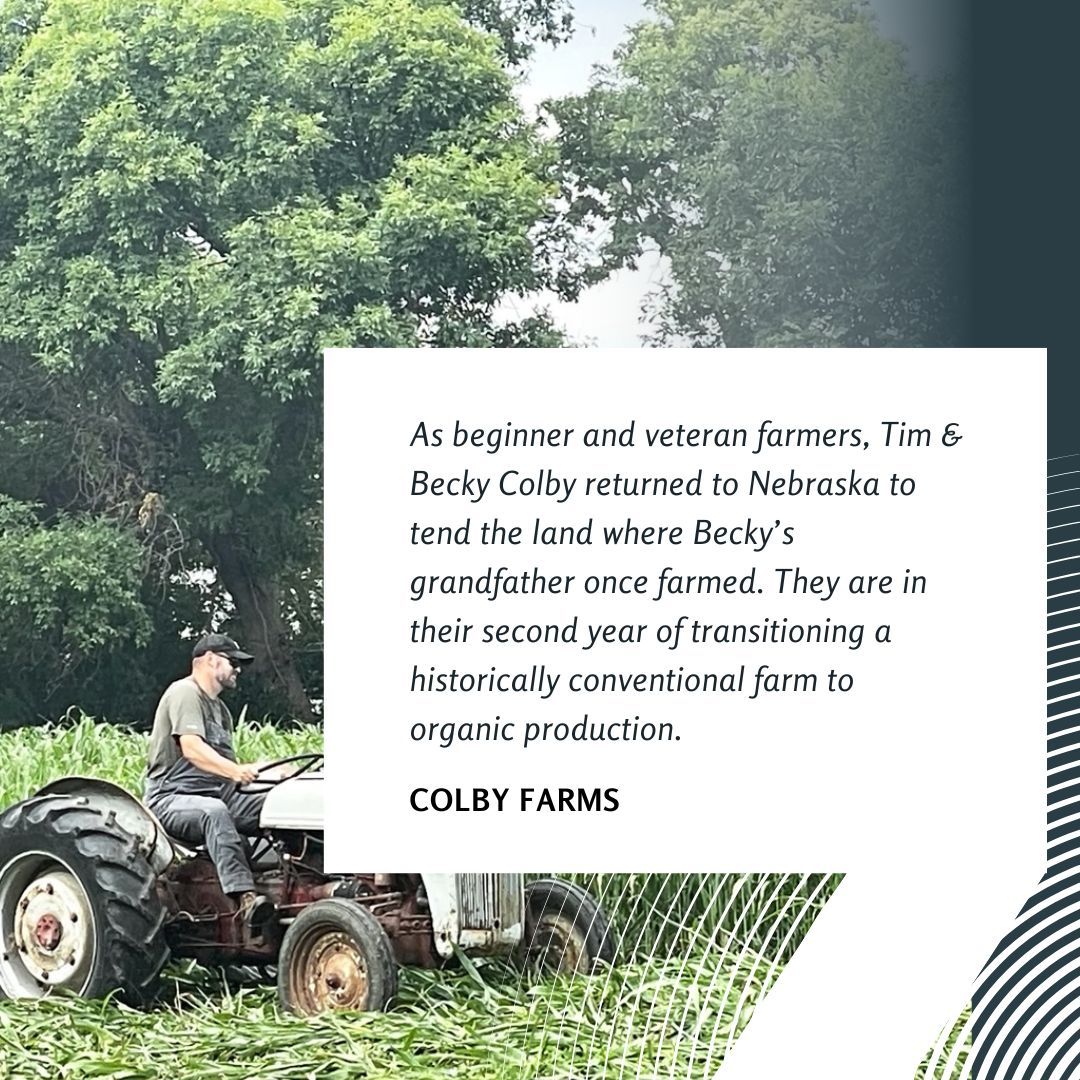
{"x": 609, "y": 313}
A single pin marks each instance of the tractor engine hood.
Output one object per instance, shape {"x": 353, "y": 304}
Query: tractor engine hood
{"x": 295, "y": 804}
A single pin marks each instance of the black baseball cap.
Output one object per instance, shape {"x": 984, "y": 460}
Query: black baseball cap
{"x": 221, "y": 643}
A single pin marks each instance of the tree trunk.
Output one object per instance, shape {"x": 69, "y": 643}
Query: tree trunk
{"x": 261, "y": 630}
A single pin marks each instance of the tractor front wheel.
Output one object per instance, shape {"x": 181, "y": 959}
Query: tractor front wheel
{"x": 565, "y": 930}
{"x": 335, "y": 955}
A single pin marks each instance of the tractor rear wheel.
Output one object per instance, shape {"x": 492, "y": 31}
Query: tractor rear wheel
{"x": 78, "y": 906}
{"x": 335, "y": 955}
{"x": 565, "y": 930}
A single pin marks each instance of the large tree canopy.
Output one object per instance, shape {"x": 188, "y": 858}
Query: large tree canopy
{"x": 196, "y": 198}
{"x": 804, "y": 183}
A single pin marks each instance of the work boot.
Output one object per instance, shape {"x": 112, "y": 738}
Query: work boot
{"x": 256, "y": 911}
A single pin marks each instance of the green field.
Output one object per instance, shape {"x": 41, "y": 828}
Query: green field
{"x": 698, "y": 952}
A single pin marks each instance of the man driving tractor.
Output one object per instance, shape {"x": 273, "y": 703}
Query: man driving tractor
{"x": 193, "y": 780}
{"x": 94, "y": 897}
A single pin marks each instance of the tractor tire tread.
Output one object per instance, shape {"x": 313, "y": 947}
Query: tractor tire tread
{"x": 117, "y": 879}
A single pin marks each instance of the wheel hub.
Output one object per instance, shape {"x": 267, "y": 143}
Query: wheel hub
{"x": 48, "y": 932}
{"x": 52, "y": 930}
{"x": 557, "y": 948}
{"x": 336, "y": 974}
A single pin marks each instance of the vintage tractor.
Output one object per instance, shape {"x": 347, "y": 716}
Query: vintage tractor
{"x": 94, "y": 896}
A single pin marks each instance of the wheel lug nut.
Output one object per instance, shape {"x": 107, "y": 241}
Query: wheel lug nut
{"x": 49, "y": 887}
{"x": 74, "y": 916}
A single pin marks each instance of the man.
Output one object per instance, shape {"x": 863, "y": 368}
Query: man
{"x": 192, "y": 773}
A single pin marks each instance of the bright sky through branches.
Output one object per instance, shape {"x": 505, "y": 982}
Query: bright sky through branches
{"x": 609, "y": 314}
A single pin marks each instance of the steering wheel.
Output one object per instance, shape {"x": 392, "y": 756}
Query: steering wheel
{"x": 260, "y": 787}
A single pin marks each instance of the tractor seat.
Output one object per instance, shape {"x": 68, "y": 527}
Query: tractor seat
{"x": 186, "y": 850}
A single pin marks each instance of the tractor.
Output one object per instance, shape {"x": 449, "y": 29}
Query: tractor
{"x": 95, "y": 897}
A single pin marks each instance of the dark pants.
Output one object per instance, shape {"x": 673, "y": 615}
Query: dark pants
{"x": 217, "y": 823}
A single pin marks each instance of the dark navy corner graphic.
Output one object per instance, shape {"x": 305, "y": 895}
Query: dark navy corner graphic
{"x": 1026, "y": 1009}
{"x": 1026, "y": 1006}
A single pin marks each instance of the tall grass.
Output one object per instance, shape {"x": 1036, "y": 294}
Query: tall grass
{"x": 34, "y": 756}
{"x": 632, "y": 1021}
{"x": 767, "y": 915}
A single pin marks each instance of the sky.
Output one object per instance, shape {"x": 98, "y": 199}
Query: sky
{"x": 608, "y": 314}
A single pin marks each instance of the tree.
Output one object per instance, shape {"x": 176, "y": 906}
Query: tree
{"x": 805, "y": 185}
{"x": 196, "y": 198}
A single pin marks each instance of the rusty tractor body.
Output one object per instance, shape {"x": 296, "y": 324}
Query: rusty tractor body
{"x": 95, "y": 897}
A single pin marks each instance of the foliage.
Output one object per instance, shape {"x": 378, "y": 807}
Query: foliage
{"x": 647, "y": 1018}
{"x": 35, "y": 756}
{"x": 805, "y": 185}
{"x": 758, "y": 916}
{"x": 519, "y": 24}
{"x": 66, "y": 591}
{"x": 650, "y": 1018}
{"x": 196, "y": 198}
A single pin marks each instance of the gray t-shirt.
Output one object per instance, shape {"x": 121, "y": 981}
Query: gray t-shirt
{"x": 185, "y": 709}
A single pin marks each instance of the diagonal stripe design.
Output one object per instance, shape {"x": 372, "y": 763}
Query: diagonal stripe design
{"x": 1024, "y": 1022}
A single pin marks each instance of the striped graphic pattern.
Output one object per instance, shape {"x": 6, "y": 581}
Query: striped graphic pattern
{"x": 1025, "y": 1018}
{"x": 697, "y": 952}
